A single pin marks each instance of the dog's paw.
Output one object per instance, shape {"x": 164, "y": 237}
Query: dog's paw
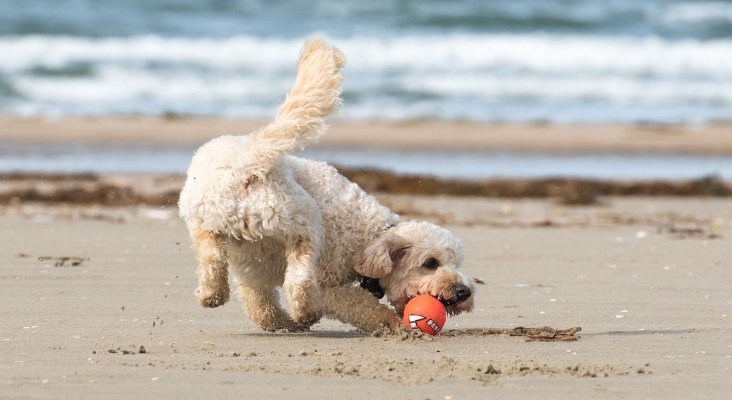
{"x": 308, "y": 310}
{"x": 305, "y": 318}
{"x": 395, "y": 324}
{"x": 284, "y": 325}
{"x": 382, "y": 323}
{"x": 210, "y": 298}
{"x": 390, "y": 327}
{"x": 307, "y": 304}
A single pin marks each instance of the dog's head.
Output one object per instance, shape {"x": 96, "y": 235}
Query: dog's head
{"x": 416, "y": 258}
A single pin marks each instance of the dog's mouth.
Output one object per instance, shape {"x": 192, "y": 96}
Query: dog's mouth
{"x": 459, "y": 294}
{"x": 449, "y": 302}
{"x": 454, "y": 299}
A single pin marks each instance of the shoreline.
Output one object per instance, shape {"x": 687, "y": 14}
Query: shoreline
{"x": 710, "y": 139}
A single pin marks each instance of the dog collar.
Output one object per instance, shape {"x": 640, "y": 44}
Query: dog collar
{"x": 373, "y": 286}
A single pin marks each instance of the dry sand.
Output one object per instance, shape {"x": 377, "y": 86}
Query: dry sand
{"x": 420, "y": 135}
{"x": 648, "y": 280}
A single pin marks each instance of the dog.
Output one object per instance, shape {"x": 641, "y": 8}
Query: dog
{"x": 275, "y": 220}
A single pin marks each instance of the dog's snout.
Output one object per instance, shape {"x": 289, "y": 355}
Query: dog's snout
{"x": 462, "y": 292}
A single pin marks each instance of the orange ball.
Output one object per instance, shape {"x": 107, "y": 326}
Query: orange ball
{"x": 425, "y": 314}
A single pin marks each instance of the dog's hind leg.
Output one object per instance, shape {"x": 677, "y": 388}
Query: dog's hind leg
{"x": 212, "y": 272}
{"x": 258, "y": 268}
{"x": 262, "y": 306}
{"x": 300, "y": 283}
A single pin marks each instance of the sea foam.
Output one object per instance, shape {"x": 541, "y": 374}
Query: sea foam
{"x": 460, "y": 76}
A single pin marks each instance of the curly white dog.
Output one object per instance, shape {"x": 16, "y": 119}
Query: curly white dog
{"x": 278, "y": 220}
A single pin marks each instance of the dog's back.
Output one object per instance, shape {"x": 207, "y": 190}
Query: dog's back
{"x": 223, "y": 169}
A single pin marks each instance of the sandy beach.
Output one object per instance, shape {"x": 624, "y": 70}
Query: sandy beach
{"x": 98, "y": 277}
{"x": 582, "y": 153}
{"x": 647, "y": 280}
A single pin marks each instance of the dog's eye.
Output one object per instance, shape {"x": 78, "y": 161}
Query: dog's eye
{"x": 431, "y": 263}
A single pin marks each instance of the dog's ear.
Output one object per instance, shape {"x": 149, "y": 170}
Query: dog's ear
{"x": 379, "y": 257}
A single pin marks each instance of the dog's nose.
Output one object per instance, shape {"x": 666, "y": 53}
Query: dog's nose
{"x": 462, "y": 292}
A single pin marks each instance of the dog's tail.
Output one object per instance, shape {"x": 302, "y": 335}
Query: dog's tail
{"x": 300, "y": 119}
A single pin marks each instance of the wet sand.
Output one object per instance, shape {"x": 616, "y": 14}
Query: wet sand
{"x": 647, "y": 279}
{"x": 415, "y": 135}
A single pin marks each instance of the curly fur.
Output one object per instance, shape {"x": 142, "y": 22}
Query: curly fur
{"x": 274, "y": 220}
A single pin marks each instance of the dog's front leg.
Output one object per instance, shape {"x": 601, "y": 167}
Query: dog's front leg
{"x": 301, "y": 284}
{"x": 358, "y": 307}
{"x": 212, "y": 272}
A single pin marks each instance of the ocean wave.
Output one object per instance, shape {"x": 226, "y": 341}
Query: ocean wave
{"x": 702, "y": 12}
{"x": 467, "y": 76}
{"x": 457, "y": 51}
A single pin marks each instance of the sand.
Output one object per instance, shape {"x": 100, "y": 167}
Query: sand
{"x": 647, "y": 279}
{"x": 415, "y": 135}
{"x": 98, "y": 301}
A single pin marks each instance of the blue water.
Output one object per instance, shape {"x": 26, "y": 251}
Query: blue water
{"x": 520, "y": 60}
{"x": 121, "y": 159}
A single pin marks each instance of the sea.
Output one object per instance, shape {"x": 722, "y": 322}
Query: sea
{"x": 518, "y": 60}
{"x": 548, "y": 61}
